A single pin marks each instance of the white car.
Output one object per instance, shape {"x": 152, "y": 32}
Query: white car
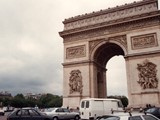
{"x": 128, "y": 116}
{"x": 2, "y": 112}
{"x": 62, "y": 114}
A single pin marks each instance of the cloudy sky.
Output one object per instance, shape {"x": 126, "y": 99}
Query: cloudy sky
{"x": 31, "y": 50}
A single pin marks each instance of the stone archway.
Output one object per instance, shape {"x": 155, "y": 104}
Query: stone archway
{"x": 90, "y": 40}
{"x": 101, "y": 55}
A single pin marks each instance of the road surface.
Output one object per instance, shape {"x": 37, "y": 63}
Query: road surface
{"x": 3, "y": 117}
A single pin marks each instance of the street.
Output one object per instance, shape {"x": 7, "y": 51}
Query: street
{"x": 3, "y": 117}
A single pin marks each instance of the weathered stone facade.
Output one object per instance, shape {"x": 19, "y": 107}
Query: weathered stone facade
{"x": 90, "y": 40}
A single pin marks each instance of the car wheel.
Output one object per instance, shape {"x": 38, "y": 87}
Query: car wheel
{"x": 55, "y": 118}
{"x": 76, "y": 117}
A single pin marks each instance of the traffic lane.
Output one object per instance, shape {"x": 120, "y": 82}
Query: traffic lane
{"x": 3, "y": 117}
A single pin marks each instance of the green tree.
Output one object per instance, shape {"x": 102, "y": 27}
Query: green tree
{"x": 19, "y": 101}
{"x": 123, "y": 99}
{"x": 44, "y": 101}
{"x": 50, "y": 100}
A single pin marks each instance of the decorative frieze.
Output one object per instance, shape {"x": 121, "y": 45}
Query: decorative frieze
{"x": 109, "y": 15}
{"x": 133, "y": 25}
{"x": 144, "y": 41}
{"x": 85, "y": 35}
{"x": 75, "y": 82}
{"x": 76, "y": 52}
{"x": 100, "y": 32}
{"x": 147, "y": 75}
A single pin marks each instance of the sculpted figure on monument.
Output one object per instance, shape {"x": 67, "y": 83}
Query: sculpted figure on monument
{"x": 147, "y": 75}
{"x": 75, "y": 81}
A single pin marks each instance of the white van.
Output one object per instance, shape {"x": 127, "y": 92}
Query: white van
{"x": 91, "y": 108}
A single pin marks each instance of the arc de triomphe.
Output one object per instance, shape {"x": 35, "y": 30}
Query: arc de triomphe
{"x": 90, "y": 40}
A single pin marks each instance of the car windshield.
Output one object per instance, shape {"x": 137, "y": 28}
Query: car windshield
{"x": 151, "y": 110}
{"x": 148, "y": 117}
{"x": 135, "y": 118}
{"x": 49, "y": 109}
{"x": 110, "y": 118}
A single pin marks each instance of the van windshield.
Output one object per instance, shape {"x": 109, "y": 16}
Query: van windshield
{"x": 82, "y": 104}
{"x": 85, "y": 104}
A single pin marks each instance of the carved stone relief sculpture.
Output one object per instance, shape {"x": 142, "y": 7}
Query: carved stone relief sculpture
{"x": 93, "y": 44}
{"x": 75, "y": 81}
{"x": 121, "y": 39}
{"x": 147, "y": 75}
{"x": 144, "y": 41}
{"x": 75, "y": 52}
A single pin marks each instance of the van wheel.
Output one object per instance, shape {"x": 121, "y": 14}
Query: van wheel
{"x": 76, "y": 117}
{"x": 55, "y": 118}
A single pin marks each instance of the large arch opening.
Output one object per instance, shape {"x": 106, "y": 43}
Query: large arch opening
{"x": 116, "y": 76}
{"x": 102, "y": 57}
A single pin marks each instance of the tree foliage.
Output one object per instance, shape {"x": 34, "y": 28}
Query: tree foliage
{"x": 123, "y": 99}
{"x": 50, "y": 100}
{"x": 19, "y": 101}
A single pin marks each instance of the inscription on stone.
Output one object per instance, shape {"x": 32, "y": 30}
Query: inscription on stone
{"x": 144, "y": 41}
{"x": 75, "y": 52}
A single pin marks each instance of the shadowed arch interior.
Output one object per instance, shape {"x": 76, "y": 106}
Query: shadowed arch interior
{"x": 107, "y": 51}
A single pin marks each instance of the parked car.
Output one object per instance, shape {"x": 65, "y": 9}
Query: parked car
{"x": 62, "y": 114}
{"x": 8, "y": 109}
{"x": 2, "y": 112}
{"x": 128, "y": 116}
{"x": 27, "y": 114}
{"x": 154, "y": 111}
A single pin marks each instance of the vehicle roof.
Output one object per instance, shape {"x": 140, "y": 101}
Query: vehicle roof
{"x": 1, "y": 110}
{"x": 96, "y": 99}
{"x": 25, "y": 108}
{"x": 127, "y": 114}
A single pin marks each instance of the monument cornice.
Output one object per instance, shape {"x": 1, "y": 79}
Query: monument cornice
{"x": 75, "y": 63}
{"x": 68, "y": 64}
{"x": 110, "y": 10}
{"x": 142, "y": 54}
{"x": 113, "y": 23}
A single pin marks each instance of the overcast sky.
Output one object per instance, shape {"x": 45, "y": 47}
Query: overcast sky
{"x": 31, "y": 50}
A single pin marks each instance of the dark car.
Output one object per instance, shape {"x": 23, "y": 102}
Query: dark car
{"x": 27, "y": 114}
{"x": 154, "y": 111}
